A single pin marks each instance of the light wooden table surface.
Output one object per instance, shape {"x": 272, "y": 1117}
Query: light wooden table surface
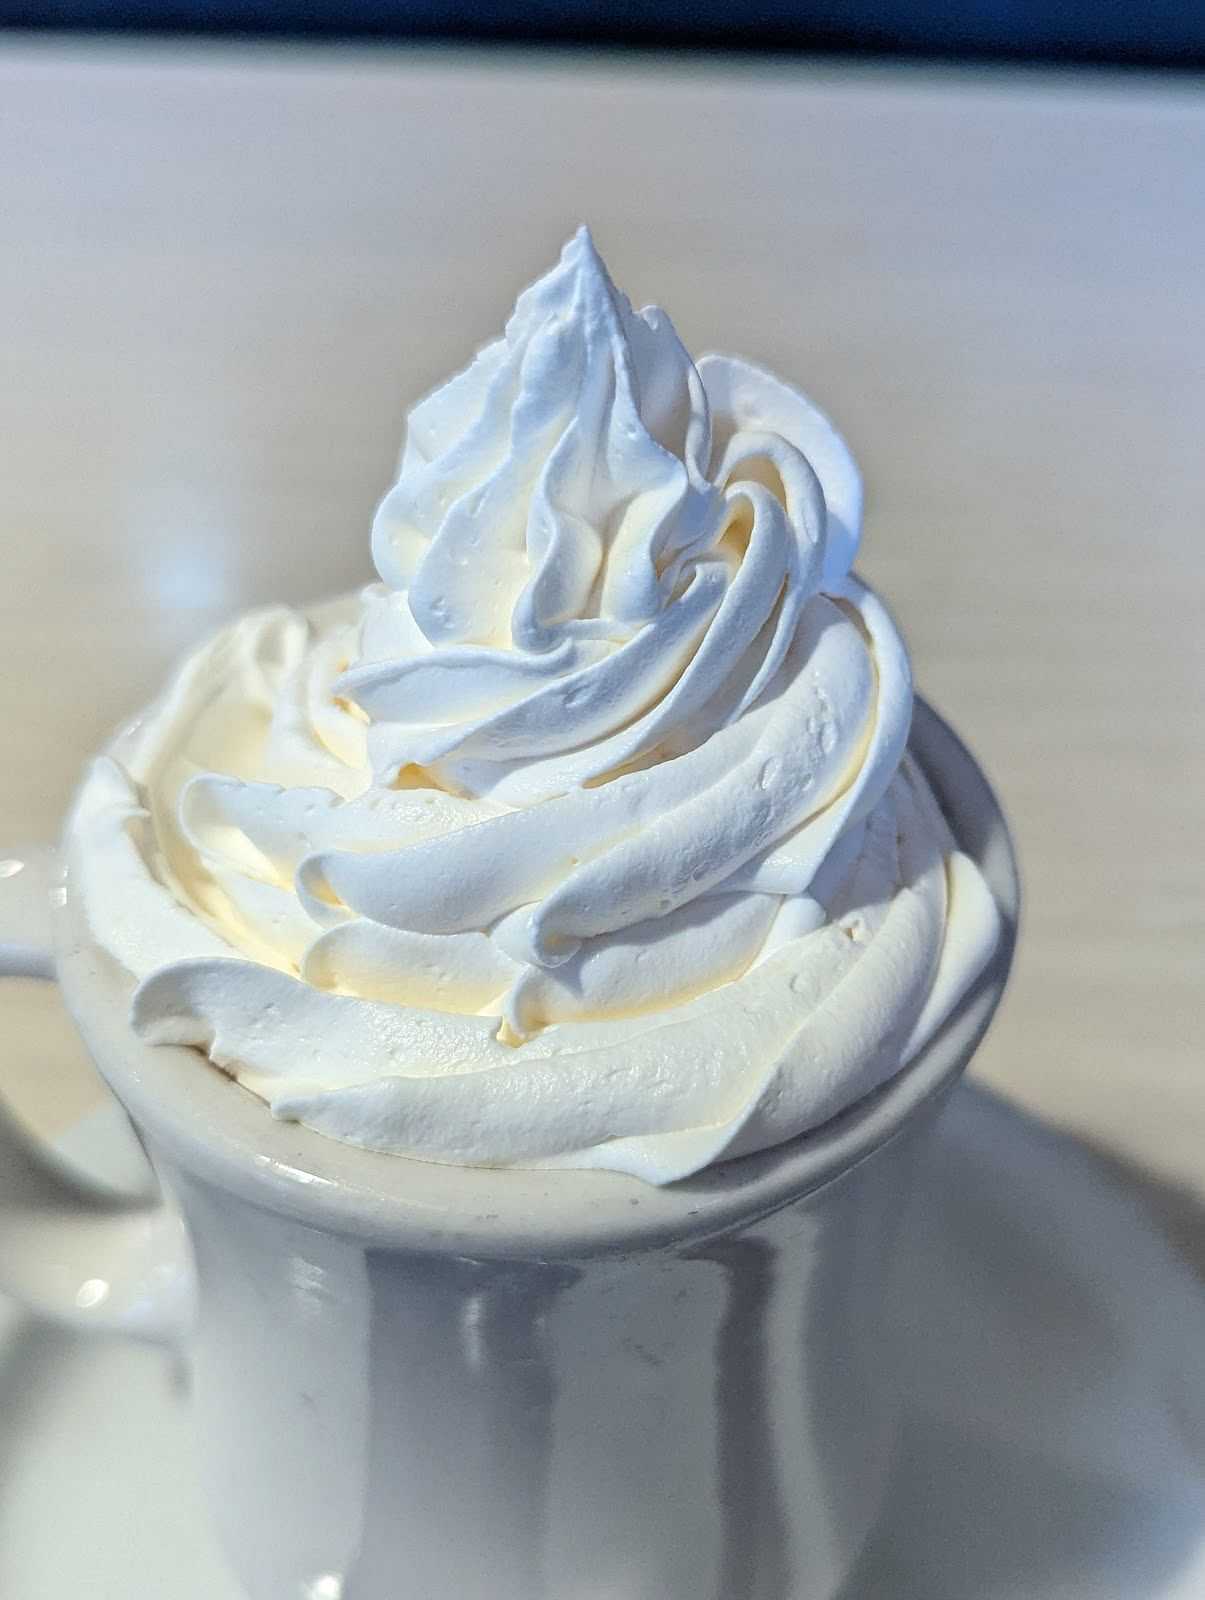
{"x": 224, "y": 275}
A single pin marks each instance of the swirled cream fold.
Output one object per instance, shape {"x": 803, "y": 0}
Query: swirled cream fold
{"x": 588, "y": 835}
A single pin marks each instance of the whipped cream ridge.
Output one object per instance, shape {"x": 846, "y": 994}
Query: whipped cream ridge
{"x": 588, "y": 836}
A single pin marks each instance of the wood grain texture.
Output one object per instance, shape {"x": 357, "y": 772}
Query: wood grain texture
{"x": 223, "y": 277}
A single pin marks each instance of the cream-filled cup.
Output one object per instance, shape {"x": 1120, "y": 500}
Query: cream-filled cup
{"x": 595, "y": 927}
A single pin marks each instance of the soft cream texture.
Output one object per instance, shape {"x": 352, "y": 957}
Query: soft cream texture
{"x": 587, "y": 837}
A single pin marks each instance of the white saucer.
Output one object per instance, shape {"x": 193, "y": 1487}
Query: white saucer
{"x": 1053, "y": 1346}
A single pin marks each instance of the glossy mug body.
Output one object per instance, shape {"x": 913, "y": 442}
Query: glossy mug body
{"x": 711, "y": 1419}
{"x": 416, "y": 1380}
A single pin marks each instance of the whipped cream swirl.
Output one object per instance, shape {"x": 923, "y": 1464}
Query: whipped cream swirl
{"x": 587, "y": 836}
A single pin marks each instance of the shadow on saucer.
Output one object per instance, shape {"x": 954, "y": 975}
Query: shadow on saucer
{"x": 1052, "y": 1349}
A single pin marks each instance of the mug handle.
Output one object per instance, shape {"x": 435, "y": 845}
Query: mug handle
{"x": 70, "y": 1250}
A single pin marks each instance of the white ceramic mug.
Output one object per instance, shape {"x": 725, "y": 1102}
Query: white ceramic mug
{"x": 412, "y": 1380}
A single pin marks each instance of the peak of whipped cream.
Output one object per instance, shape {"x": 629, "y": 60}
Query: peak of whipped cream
{"x": 578, "y": 554}
{"x": 586, "y": 837}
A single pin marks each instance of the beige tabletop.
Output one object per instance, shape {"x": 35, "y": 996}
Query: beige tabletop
{"x": 223, "y": 276}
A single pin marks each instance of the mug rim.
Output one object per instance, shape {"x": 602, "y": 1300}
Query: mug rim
{"x": 219, "y": 1132}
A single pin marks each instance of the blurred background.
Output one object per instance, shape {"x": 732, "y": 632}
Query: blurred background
{"x": 1159, "y": 32}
